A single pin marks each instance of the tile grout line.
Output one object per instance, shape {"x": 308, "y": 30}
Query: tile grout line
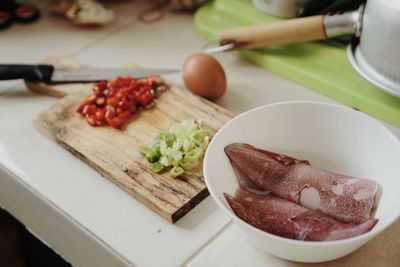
{"x": 116, "y": 30}
{"x": 206, "y": 245}
{"x": 79, "y": 50}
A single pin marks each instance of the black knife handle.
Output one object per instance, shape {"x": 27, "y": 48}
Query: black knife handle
{"x": 35, "y": 73}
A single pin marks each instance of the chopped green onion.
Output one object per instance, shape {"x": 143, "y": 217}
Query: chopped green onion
{"x": 156, "y": 145}
{"x": 157, "y": 166}
{"x": 182, "y": 148}
{"x": 189, "y": 164}
{"x": 164, "y": 161}
{"x": 144, "y": 150}
{"x": 192, "y": 158}
{"x": 167, "y": 137}
{"x": 176, "y": 171}
{"x": 153, "y": 156}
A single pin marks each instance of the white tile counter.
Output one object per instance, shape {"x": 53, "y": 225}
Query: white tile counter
{"x": 85, "y": 218}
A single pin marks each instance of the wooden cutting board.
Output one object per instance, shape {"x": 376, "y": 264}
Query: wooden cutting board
{"x": 113, "y": 153}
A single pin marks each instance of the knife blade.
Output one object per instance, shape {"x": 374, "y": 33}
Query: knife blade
{"x": 51, "y": 74}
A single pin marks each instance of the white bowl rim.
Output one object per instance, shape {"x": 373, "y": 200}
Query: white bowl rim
{"x": 371, "y": 233}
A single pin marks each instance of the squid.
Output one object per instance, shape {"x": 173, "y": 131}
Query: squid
{"x": 284, "y": 218}
{"x": 345, "y": 198}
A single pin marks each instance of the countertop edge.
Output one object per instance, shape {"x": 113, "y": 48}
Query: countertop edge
{"x": 24, "y": 202}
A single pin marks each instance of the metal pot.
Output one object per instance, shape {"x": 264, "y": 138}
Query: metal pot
{"x": 376, "y": 57}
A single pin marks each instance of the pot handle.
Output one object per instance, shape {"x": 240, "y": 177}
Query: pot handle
{"x": 290, "y": 31}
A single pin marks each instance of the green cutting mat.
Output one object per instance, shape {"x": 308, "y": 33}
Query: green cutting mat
{"x": 321, "y": 66}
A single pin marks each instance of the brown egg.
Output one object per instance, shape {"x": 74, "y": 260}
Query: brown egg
{"x": 204, "y": 76}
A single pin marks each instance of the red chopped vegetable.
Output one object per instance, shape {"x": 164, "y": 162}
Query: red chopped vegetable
{"x": 113, "y": 102}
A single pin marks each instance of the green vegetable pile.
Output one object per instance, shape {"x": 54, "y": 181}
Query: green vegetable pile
{"x": 182, "y": 148}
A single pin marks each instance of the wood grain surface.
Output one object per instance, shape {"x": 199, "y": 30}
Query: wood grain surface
{"x": 113, "y": 153}
{"x": 274, "y": 33}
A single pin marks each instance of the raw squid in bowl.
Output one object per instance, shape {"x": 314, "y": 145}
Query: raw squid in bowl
{"x": 345, "y": 198}
{"x": 281, "y": 217}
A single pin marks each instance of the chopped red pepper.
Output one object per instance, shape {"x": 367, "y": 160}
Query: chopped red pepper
{"x": 113, "y": 102}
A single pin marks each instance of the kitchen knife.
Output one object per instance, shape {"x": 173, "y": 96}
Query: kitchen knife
{"x": 51, "y": 74}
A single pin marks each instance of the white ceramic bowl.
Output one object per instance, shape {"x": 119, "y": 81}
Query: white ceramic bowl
{"x": 333, "y": 138}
